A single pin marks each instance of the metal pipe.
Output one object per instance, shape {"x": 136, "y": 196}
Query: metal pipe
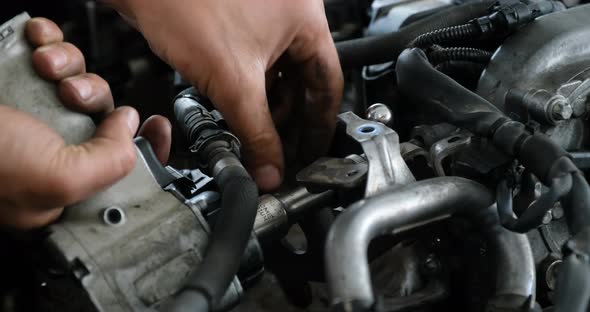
{"x": 515, "y": 264}
{"x": 277, "y": 212}
{"x": 407, "y": 207}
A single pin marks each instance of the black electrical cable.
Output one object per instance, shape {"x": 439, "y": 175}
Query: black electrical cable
{"x": 385, "y": 48}
{"x": 452, "y": 34}
{"x": 439, "y": 55}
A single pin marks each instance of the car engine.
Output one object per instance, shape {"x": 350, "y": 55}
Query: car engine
{"x": 456, "y": 180}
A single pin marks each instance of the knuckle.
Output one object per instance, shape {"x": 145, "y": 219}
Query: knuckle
{"x": 65, "y": 190}
{"x": 74, "y": 53}
{"x": 99, "y": 81}
{"x": 126, "y": 160}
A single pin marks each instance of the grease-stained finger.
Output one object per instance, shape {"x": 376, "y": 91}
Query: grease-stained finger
{"x": 41, "y": 31}
{"x": 58, "y": 61}
{"x": 86, "y": 93}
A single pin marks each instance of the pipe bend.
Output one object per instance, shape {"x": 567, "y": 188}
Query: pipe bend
{"x": 402, "y": 208}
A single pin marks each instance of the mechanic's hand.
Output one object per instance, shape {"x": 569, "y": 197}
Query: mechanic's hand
{"x": 227, "y": 48}
{"x": 39, "y": 173}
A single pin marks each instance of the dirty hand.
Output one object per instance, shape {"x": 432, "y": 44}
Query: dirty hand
{"x": 39, "y": 173}
{"x": 232, "y": 51}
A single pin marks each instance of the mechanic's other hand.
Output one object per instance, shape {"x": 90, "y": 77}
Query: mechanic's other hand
{"x": 227, "y": 48}
{"x": 40, "y": 173}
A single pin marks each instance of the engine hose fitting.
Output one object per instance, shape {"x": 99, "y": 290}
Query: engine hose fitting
{"x": 507, "y": 16}
{"x": 202, "y": 129}
{"x": 218, "y": 153}
{"x": 510, "y": 15}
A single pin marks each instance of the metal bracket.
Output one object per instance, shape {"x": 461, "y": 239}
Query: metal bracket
{"x": 577, "y": 93}
{"x": 382, "y": 150}
{"x": 446, "y": 147}
{"x": 328, "y": 173}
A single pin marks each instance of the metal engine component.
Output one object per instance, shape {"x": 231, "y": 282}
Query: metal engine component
{"x": 390, "y": 15}
{"x": 381, "y": 113}
{"x": 415, "y": 205}
{"x": 551, "y": 54}
{"x": 381, "y": 147}
{"x": 130, "y": 246}
{"x": 132, "y": 265}
{"x": 39, "y": 98}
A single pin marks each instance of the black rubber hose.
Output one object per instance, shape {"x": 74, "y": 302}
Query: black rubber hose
{"x": 239, "y": 202}
{"x": 463, "y": 108}
{"x": 576, "y": 204}
{"x": 573, "y": 283}
{"x": 444, "y": 97}
{"x": 452, "y": 34}
{"x": 443, "y": 55}
{"x": 532, "y": 217}
{"x": 573, "y": 289}
{"x": 385, "y": 48}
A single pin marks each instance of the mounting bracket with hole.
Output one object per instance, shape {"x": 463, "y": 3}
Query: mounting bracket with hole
{"x": 446, "y": 147}
{"x": 381, "y": 149}
{"x": 332, "y": 173}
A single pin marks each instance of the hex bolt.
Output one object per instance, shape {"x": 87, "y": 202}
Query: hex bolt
{"x": 557, "y": 211}
{"x": 431, "y": 265}
{"x": 380, "y": 113}
{"x": 561, "y": 109}
{"x": 548, "y": 217}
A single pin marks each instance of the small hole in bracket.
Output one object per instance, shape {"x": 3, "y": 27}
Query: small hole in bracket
{"x": 454, "y": 139}
{"x": 351, "y": 173}
{"x": 367, "y": 129}
{"x": 114, "y": 216}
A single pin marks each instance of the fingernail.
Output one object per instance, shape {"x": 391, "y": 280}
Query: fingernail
{"x": 56, "y": 56}
{"x": 132, "y": 118}
{"x": 267, "y": 177}
{"x": 82, "y": 87}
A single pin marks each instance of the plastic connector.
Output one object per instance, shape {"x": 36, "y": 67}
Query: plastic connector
{"x": 203, "y": 128}
{"x": 509, "y": 15}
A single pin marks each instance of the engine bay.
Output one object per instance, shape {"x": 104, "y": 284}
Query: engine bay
{"x": 456, "y": 180}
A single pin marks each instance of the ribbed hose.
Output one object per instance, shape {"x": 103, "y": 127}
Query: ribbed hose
{"x": 453, "y": 34}
{"x": 443, "y": 55}
{"x": 385, "y": 48}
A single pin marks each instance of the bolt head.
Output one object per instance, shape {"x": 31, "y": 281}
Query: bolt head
{"x": 380, "y": 113}
{"x": 557, "y": 211}
{"x": 548, "y": 217}
{"x": 562, "y": 110}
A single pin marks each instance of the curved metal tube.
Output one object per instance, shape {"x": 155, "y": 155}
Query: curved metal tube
{"x": 411, "y": 206}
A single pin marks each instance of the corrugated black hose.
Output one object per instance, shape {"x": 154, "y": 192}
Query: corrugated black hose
{"x": 438, "y": 55}
{"x": 448, "y": 35}
{"x": 385, "y": 48}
